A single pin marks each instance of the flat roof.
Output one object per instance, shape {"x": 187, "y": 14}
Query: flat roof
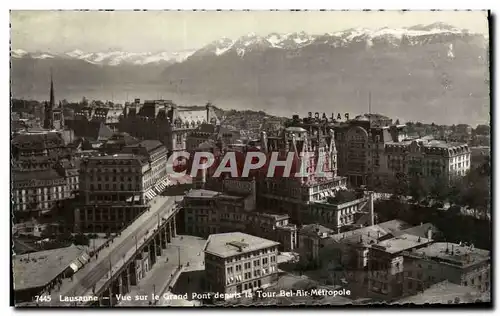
{"x": 202, "y": 193}
{"x": 400, "y": 243}
{"x": 229, "y": 244}
{"x": 454, "y": 253}
{"x": 37, "y": 269}
{"x": 443, "y": 292}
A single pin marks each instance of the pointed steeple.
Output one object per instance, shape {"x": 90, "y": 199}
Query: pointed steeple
{"x": 52, "y": 99}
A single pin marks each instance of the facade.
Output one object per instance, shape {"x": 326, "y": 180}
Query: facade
{"x": 38, "y": 192}
{"x": 295, "y": 195}
{"x": 345, "y": 258}
{"x": 458, "y": 263}
{"x": 340, "y": 215}
{"x": 165, "y": 121}
{"x": 386, "y": 265}
{"x": 372, "y": 151}
{"x": 115, "y": 189}
{"x": 233, "y": 209}
{"x": 424, "y": 158}
{"x": 209, "y": 132}
{"x": 38, "y": 144}
{"x": 237, "y": 263}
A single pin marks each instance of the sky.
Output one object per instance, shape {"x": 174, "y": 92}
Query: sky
{"x": 154, "y": 31}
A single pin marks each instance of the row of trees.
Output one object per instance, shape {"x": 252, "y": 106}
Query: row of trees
{"x": 471, "y": 191}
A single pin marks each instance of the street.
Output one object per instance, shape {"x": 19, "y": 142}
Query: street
{"x": 157, "y": 279}
{"x": 95, "y": 271}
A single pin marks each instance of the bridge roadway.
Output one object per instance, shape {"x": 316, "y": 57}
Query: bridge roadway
{"x": 136, "y": 234}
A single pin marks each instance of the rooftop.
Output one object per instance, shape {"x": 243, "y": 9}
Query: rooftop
{"x": 400, "y": 243}
{"x": 370, "y": 234}
{"x": 49, "y": 174}
{"x": 420, "y": 230}
{"x": 36, "y": 269}
{"x": 315, "y": 230}
{"x": 443, "y": 293}
{"x": 150, "y": 145}
{"x": 231, "y": 244}
{"x": 455, "y": 254}
{"x": 202, "y": 193}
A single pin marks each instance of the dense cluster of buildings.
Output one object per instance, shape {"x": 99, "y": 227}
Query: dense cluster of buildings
{"x": 391, "y": 260}
{"x": 109, "y": 163}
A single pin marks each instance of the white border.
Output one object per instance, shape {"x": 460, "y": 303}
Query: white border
{"x": 185, "y": 4}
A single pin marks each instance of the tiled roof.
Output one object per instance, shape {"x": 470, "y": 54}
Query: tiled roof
{"x": 92, "y": 130}
{"x": 38, "y": 140}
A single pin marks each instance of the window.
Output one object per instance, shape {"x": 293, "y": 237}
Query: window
{"x": 238, "y": 267}
{"x": 230, "y": 270}
{"x": 256, "y": 263}
{"x": 273, "y": 259}
{"x": 264, "y": 260}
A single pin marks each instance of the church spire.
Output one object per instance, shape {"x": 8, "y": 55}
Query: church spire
{"x": 52, "y": 99}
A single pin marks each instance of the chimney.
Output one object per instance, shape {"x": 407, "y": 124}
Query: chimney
{"x": 372, "y": 215}
{"x": 429, "y": 233}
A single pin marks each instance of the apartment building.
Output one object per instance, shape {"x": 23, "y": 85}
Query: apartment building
{"x": 460, "y": 264}
{"x": 428, "y": 158}
{"x": 115, "y": 189}
{"x": 386, "y": 264}
{"x": 237, "y": 262}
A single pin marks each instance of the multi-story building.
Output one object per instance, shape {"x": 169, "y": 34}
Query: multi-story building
{"x": 115, "y": 189}
{"x": 372, "y": 150}
{"x": 37, "y": 192}
{"x": 238, "y": 263}
{"x": 458, "y": 263}
{"x": 38, "y": 144}
{"x": 386, "y": 264}
{"x": 209, "y": 132}
{"x": 117, "y": 142}
{"x": 344, "y": 257}
{"x": 359, "y": 144}
{"x": 338, "y": 215}
{"x": 233, "y": 209}
{"x": 107, "y": 115}
{"x": 427, "y": 158}
{"x": 294, "y": 195}
{"x": 165, "y": 121}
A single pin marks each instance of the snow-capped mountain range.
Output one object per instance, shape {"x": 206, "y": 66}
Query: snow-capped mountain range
{"x": 411, "y": 36}
{"x": 113, "y": 58}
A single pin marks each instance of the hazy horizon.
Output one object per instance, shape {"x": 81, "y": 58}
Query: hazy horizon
{"x": 174, "y": 31}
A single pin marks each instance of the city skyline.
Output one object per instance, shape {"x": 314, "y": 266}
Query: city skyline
{"x": 92, "y": 31}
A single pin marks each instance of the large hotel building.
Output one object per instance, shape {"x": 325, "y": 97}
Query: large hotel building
{"x": 237, "y": 263}
{"x": 115, "y": 189}
{"x": 371, "y": 151}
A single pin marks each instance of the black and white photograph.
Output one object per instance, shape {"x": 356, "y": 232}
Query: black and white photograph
{"x": 200, "y": 158}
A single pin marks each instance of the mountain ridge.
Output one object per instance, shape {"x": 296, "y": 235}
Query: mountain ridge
{"x": 423, "y": 70}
